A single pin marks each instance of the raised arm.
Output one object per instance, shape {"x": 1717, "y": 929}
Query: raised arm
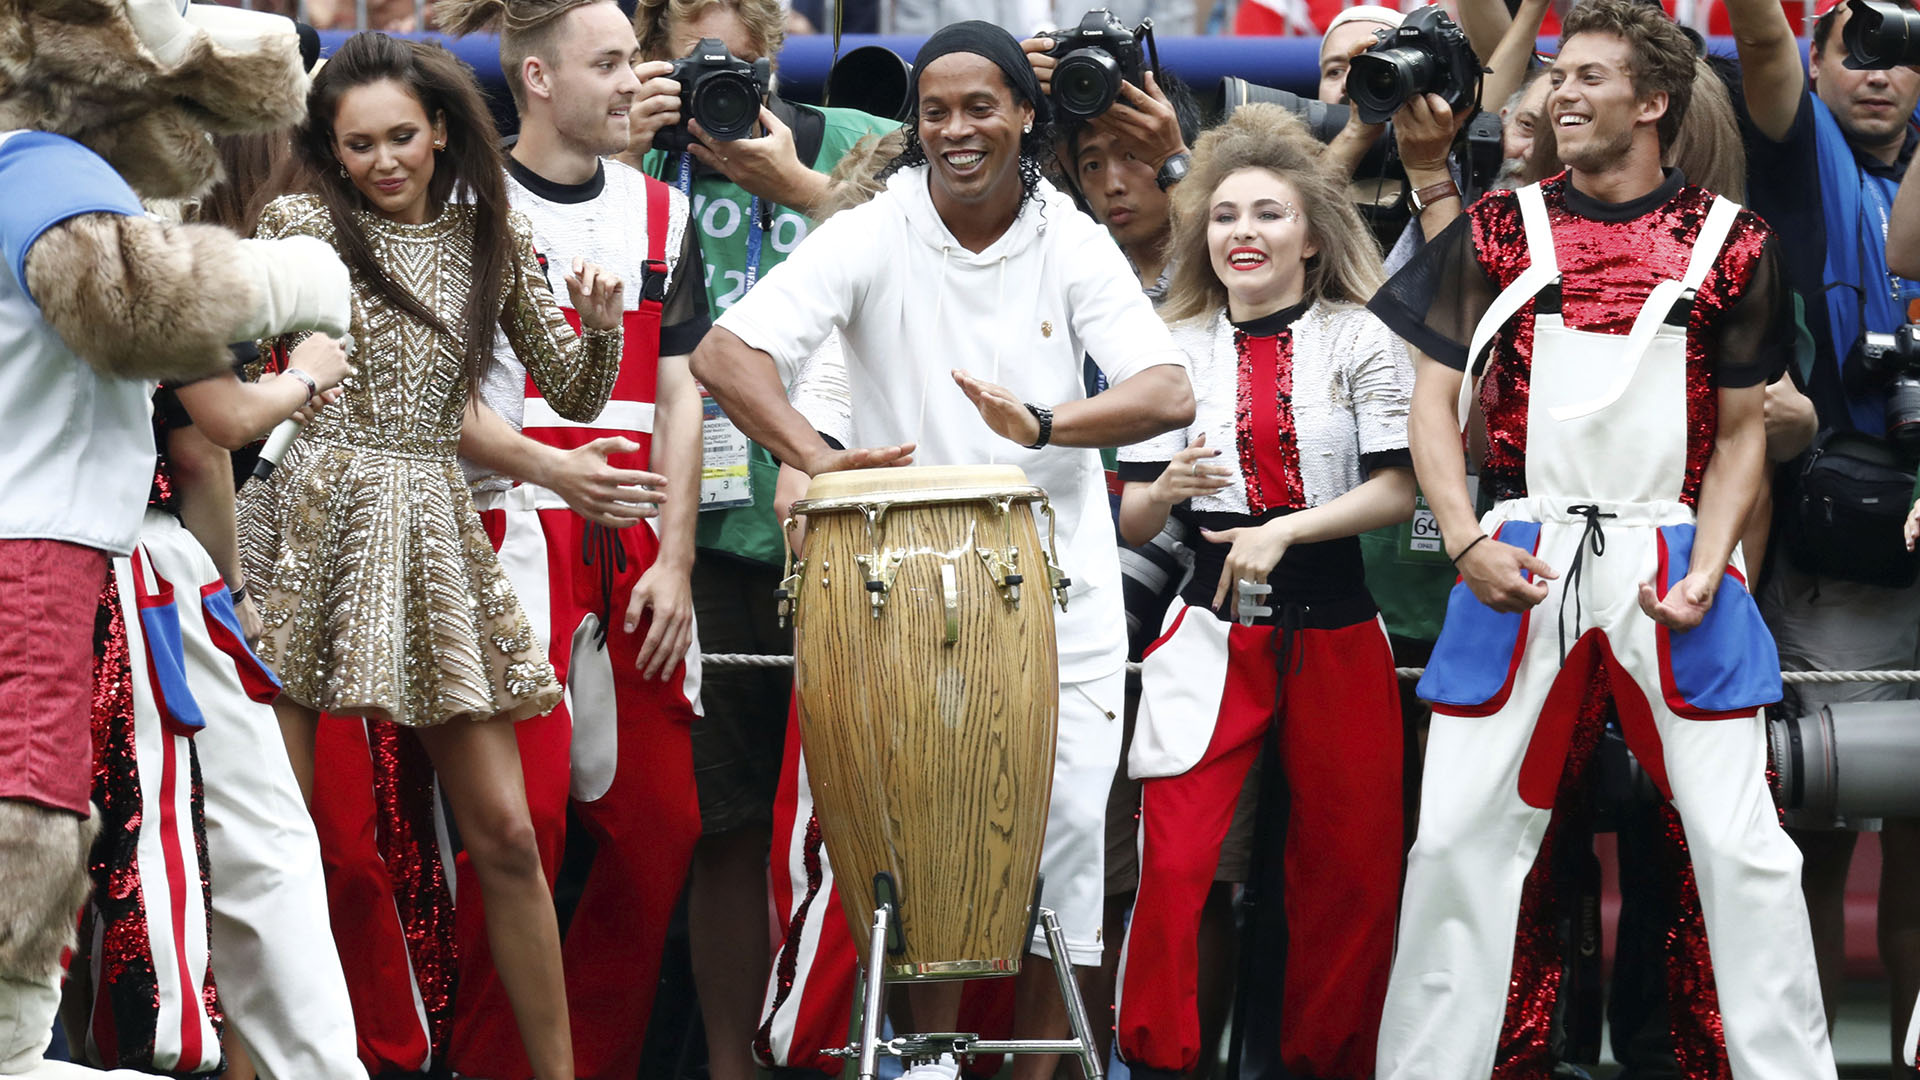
{"x": 1510, "y": 60}
{"x": 575, "y": 373}
{"x": 1903, "y": 231}
{"x": 1770, "y": 67}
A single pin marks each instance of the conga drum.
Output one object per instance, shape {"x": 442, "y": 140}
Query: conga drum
{"x": 928, "y": 685}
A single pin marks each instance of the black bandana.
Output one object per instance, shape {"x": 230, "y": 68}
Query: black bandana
{"x": 990, "y": 41}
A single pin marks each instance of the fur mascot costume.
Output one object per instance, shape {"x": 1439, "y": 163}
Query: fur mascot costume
{"x": 104, "y": 103}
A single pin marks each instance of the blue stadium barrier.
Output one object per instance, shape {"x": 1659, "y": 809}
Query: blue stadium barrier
{"x": 1286, "y": 63}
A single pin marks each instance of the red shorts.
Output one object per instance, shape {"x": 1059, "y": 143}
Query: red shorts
{"x": 52, "y": 589}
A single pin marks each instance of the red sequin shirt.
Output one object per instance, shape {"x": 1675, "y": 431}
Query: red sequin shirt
{"x": 1611, "y": 256}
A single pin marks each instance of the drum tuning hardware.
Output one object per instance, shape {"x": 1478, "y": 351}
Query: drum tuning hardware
{"x": 789, "y": 592}
{"x": 1004, "y": 567}
{"x": 950, "y": 600}
{"x": 1058, "y": 581}
{"x": 880, "y": 568}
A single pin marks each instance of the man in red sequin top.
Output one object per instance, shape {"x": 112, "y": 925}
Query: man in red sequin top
{"x": 1625, "y": 324}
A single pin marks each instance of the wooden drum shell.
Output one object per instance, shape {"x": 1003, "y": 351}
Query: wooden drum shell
{"x": 929, "y": 759}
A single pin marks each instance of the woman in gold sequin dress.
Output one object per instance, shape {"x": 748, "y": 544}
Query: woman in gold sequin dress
{"x": 380, "y": 593}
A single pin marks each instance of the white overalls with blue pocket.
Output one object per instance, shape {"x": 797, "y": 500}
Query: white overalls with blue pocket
{"x": 1606, "y": 462}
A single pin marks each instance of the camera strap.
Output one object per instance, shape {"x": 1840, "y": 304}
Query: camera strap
{"x": 756, "y": 230}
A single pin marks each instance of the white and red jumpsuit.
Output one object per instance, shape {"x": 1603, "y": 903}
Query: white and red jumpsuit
{"x": 1305, "y": 403}
{"x": 619, "y": 747}
{"x": 207, "y": 862}
{"x": 1613, "y": 329}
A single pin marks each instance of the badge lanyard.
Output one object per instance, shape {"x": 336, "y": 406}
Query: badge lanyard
{"x": 755, "y": 234}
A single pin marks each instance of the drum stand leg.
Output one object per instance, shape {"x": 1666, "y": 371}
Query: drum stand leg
{"x": 928, "y": 1047}
{"x": 1086, "y": 1049}
{"x": 870, "y": 1044}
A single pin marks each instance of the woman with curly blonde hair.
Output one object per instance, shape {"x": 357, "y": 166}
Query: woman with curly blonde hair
{"x": 1298, "y": 445}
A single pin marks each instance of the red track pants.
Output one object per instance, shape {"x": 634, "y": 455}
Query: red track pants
{"x": 1340, "y": 753}
{"x": 620, "y": 749}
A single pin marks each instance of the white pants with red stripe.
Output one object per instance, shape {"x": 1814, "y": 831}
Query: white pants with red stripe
{"x": 279, "y": 973}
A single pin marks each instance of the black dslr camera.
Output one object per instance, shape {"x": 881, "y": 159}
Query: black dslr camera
{"x": 1891, "y": 362}
{"x": 1880, "y": 35}
{"x": 1092, "y": 59}
{"x": 1427, "y": 54}
{"x": 720, "y": 91}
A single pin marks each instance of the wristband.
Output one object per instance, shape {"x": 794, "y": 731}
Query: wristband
{"x": 1463, "y": 551}
{"x": 313, "y": 388}
{"x": 238, "y": 594}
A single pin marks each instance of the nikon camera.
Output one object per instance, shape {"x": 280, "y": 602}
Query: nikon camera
{"x": 1427, "y": 54}
{"x": 719, "y": 90}
{"x": 1092, "y": 60}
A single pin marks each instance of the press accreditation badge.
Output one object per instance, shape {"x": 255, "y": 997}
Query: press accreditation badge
{"x": 1420, "y": 539}
{"x": 725, "y": 481}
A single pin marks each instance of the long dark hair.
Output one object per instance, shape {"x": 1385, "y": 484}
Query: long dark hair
{"x": 256, "y": 167}
{"x": 470, "y": 165}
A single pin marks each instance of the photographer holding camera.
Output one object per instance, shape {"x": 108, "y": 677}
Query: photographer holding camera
{"x": 1827, "y": 150}
{"x": 754, "y": 166}
{"x": 1424, "y": 75}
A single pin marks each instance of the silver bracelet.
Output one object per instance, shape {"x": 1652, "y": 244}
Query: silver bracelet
{"x": 313, "y": 388}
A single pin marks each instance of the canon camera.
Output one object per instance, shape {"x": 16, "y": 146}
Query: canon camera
{"x": 718, "y": 89}
{"x": 1093, "y": 59}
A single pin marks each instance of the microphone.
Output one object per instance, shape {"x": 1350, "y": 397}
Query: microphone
{"x": 284, "y": 433}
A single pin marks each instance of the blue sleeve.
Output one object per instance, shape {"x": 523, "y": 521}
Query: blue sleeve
{"x": 46, "y": 179}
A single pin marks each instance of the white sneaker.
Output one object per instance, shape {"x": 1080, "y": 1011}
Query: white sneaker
{"x": 944, "y": 1069}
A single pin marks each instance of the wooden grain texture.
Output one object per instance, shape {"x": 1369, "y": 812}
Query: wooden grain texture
{"x": 929, "y": 761}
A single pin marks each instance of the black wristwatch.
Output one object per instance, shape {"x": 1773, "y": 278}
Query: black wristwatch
{"x": 1174, "y": 170}
{"x": 1045, "y": 416}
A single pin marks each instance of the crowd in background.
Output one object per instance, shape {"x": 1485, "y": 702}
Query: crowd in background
{"x": 1816, "y": 149}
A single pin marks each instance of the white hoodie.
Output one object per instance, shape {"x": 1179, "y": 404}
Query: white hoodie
{"x": 911, "y": 304}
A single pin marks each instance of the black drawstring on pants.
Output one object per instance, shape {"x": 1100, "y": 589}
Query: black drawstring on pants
{"x": 1289, "y": 620}
{"x": 1592, "y": 536}
{"x": 601, "y": 545}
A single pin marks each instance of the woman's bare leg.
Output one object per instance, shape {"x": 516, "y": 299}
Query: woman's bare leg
{"x": 300, "y": 727}
{"x": 479, "y": 767}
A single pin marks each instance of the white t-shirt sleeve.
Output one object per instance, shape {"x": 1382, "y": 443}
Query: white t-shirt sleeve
{"x": 819, "y": 391}
{"x": 790, "y": 312}
{"x": 1381, "y": 374}
{"x": 1189, "y": 339}
{"x": 1113, "y": 319}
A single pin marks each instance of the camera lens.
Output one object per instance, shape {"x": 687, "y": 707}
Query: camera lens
{"x": 1085, "y": 83}
{"x": 1903, "y": 413}
{"x": 1880, "y": 35}
{"x": 726, "y": 105}
{"x": 1378, "y": 83}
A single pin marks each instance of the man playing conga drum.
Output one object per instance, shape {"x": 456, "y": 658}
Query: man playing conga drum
{"x": 965, "y": 296}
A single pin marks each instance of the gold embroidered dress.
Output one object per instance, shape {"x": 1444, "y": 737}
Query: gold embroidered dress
{"x": 379, "y": 590}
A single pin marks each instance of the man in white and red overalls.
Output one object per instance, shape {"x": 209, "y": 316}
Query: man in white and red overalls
{"x": 1622, "y": 325}
{"x": 610, "y": 596}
